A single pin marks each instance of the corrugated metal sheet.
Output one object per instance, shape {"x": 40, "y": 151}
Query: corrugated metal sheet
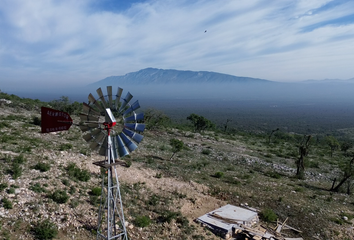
{"x": 226, "y": 217}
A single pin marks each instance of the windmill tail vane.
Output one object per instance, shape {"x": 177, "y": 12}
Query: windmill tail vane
{"x": 54, "y": 120}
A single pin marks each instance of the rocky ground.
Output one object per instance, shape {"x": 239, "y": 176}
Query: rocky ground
{"x": 184, "y": 184}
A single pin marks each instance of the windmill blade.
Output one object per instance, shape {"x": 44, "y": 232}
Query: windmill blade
{"x": 88, "y": 137}
{"x": 132, "y": 108}
{"x": 129, "y": 144}
{"x": 98, "y": 140}
{"x": 100, "y": 94}
{"x": 89, "y": 110}
{"x": 89, "y": 118}
{"x": 110, "y": 100}
{"x": 109, "y": 118}
{"x": 135, "y": 126}
{"x": 103, "y": 148}
{"x": 119, "y": 94}
{"x": 114, "y": 148}
{"x": 125, "y": 101}
{"x": 92, "y": 99}
{"x": 87, "y": 126}
{"x": 135, "y": 117}
{"x": 122, "y": 151}
{"x": 133, "y": 135}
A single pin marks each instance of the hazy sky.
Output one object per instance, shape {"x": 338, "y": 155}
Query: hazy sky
{"x": 61, "y": 42}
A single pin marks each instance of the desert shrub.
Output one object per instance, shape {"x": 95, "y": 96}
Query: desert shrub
{"x": 168, "y": 216}
{"x": 158, "y": 175}
{"x": 20, "y": 159}
{"x": 65, "y": 146}
{"x": 94, "y": 200}
{"x": 37, "y": 188}
{"x": 142, "y": 221}
{"x": 72, "y": 190}
{"x": 65, "y": 182}
{"x": 43, "y": 167}
{"x": 11, "y": 190}
{"x": 4, "y": 125}
{"x": 274, "y": 175}
{"x": 45, "y": 230}
{"x": 16, "y": 170}
{"x": 77, "y": 173}
{"x": 163, "y": 147}
{"x": 3, "y": 186}
{"x": 219, "y": 174}
{"x": 153, "y": 200}
{"x": 268, "y": 215}
{"x": 74, "y": 203}
{"x": 36, "y": 121}
{"x": 206, "y": 151}
{"x": 96, "y": 191}
{"x": 128, "y": 163}
{"x": 59, "y": 196}
{"x": 6, "y": 203}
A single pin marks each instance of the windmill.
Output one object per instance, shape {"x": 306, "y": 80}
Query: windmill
{"x": 104, "y": 134}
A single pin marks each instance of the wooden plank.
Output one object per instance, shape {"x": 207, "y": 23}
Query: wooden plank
{"x": 291, "y": 228}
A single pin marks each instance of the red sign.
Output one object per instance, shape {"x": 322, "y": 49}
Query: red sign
{"x": 54, "y": 120}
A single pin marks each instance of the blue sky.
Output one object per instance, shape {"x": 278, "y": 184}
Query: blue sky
{"x": 50, "y": 42}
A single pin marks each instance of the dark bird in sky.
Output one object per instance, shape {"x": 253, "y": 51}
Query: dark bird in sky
{"x": 205, "y": 31}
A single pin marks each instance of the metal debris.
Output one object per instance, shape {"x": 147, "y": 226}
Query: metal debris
{"x": 231, "y": 222}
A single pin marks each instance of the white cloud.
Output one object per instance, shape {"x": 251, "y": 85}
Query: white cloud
{"x": 54, "y": 40}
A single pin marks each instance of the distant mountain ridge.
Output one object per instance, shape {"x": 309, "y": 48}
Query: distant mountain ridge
{"x": 162, "y": 76}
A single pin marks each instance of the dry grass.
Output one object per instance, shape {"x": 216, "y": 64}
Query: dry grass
{"x": 169, "y": 193}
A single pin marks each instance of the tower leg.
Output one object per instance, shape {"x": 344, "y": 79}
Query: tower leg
{"x": 111, "y": 223}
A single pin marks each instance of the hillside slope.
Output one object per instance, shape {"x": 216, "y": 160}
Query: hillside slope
{"x": 171, "y": 193}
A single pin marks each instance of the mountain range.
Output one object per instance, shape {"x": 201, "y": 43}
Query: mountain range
{"x": 176, "y": 84}
{"x": 162, "y": 76}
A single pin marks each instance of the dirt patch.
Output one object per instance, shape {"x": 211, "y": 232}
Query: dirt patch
{"x": 197, "y": 201}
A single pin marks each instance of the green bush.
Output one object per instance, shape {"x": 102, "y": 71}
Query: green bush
{"x": 74, "y": 203}
{"x": 65, "y": 146}
{"x": 268, "y": 215}
{"x": 16, "y": 170}
{"x": 45, "y": 230}
{"x": 206, "y": 151}
{"x": 43, "y": 167}
{"x": 96, "y": 191}
{"x": 128, "y": 163}
{"x": 3, "y": 186}
{"x": 4, "y": 125}
{"x": 20, "y": 159}
{"x": 142, "y": 221}
{"x": 167, "y": 216}
{"x": 7, "y": 204}
{"x": 72, "y": 190}
{"x": 36, "y": 121}
{"x": 37, "y": 188}
{"x": 77, "y": 173}
{"x": 153, "y": 200}
{"x": 274, "y": 175}
{"x": 11, "y": 190}
{"x": 95, "y": 200}
{"x": 219, "y": 174}
{"x": 59, "y": 196}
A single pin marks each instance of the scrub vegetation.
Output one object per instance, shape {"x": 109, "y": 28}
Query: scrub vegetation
{"x": 49, "y": 187}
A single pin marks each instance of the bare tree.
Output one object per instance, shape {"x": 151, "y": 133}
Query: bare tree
{"x": 348, "y": 173}
{"x": 226, "y": 126}
{"x": 270, "y": 135}
{"x": 303, "y": 152}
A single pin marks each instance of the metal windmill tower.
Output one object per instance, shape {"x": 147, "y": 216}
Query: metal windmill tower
{"x": 103, "y": 134}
